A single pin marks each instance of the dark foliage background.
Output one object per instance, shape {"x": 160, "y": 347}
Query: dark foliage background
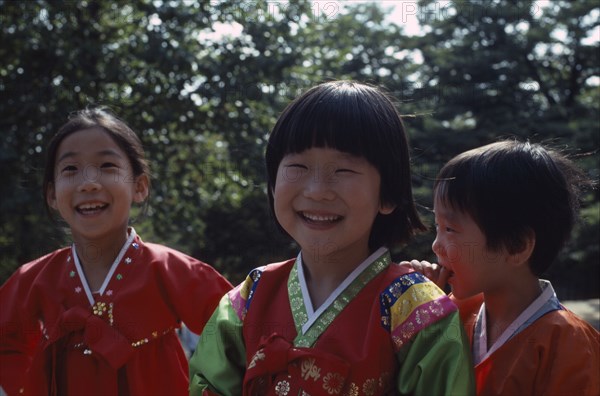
{"x": 203, "y": 103}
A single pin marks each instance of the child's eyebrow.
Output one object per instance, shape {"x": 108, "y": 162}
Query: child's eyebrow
{"x": 68, "y": 154}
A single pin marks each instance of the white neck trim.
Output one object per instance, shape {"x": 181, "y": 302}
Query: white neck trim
{"x": 311, "y": 313}
{"x": 480, "y": 351}
{"x": 111, "y": 271}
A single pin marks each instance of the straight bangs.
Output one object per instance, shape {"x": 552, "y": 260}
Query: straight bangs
{"x": 346, "y": 117}
{"x": 330, "y": 124}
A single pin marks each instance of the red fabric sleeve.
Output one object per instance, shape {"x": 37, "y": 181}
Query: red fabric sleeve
{"x": 194, "y": 288}
{"x": 19, "y": 331}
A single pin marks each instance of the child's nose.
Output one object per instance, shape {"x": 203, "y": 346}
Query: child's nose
{"x": 319, "y": 187}
{"x": 90, "y": 179}
{"x": 437, "y": 247}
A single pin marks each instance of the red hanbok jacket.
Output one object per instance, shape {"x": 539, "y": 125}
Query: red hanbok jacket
{"x": 56, "y": 337}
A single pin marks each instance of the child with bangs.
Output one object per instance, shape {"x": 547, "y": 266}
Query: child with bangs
{"x": 340, "y": 318}
{"x": 503, "y": 212}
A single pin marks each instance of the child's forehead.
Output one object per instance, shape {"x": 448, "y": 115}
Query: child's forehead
{"x": 444, "y": 208}
{"x": 88, "y": 141}
{"x": 86, "y": 134}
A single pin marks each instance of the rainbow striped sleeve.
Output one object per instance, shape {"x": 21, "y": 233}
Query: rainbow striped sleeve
{"x": 410, "y": 304}
{"x": 241, "y": 295}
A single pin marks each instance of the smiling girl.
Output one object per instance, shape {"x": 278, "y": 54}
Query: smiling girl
{"x": 99, "y": 317}
{"x": 340, "y": 318}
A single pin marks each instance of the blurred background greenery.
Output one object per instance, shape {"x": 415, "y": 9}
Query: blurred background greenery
{"x": 203, "y": 82}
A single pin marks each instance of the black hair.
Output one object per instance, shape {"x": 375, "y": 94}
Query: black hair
{"x": 360, "y": 120}
{"x": 512, "y": 189}
{"x": 116, "y": 128}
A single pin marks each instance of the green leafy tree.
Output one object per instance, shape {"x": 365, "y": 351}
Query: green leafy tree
{"x": 505, "y": 68}
{"x": 204, "y": 100}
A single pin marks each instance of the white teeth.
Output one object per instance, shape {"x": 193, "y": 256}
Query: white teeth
{"x": 313, "y": 217}
{"x": 90, "y": 206}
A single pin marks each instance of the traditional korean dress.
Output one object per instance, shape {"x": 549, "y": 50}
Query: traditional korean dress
{"x": 59, "y": 337}
{"x": 547, "y": 350}
{"x": 385, "y": 330}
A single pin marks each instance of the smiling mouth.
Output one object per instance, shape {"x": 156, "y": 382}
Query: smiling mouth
{"x": 320, "y": 219}
{"x": 89, "y": 209}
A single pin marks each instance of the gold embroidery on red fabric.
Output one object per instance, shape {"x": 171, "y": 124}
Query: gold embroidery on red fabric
{"x": 139, "y": 343}
{"x": 310, "y": 370}
{"x": 333, "y": 383}
{"x": 111, "y": 318}
{"x": 99, "y": 308}
{"x": 143, "y": 341}
{"x": 259, "y": 355}
{"x": 370, "y": 387}
{"x": 282, "y": 388}
{"x": 352, "y": 390}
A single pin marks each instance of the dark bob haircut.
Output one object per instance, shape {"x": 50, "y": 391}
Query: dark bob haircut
{"x": 360, "y": 120}
{"x": 512, "y": 189}
{"x": 116, "y": 128}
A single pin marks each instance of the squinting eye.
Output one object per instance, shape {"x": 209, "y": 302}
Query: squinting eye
{"x": 69, "y": 168}
{"x": 108, "y": 165}
{"x": 294, "y": 171}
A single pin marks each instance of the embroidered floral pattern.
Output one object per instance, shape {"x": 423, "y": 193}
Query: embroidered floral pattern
{"x": 282, "y": 388}
{"x": 333, "y": 383}
{"x": 296, "y": 300}
{"x": 99, "y": 308}
{"x": 370, "y": 387}
{"x": 352, "y": 390}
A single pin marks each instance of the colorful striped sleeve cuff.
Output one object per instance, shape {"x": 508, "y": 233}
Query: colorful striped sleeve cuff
{"x": 410, "y": 304}
{"x": 241, "y": 295}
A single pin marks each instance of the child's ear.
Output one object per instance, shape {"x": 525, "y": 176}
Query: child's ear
{"x": 141, "y": 188}
{"x": 523, "y": 254}
{"x": 51, "y": 196}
